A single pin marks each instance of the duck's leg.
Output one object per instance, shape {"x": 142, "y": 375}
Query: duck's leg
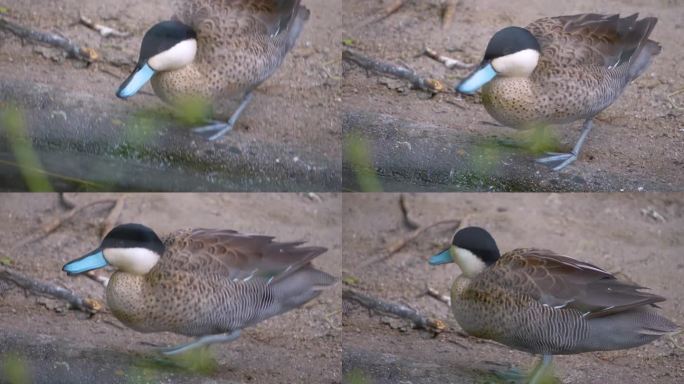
{"x": 568, "y": 158}
{"x": 201, "y": 342}
{"x": 222, "y": 128}
{"x": 539, "y": 372}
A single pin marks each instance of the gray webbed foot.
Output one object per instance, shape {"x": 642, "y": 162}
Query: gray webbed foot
{"x": 201, "y": 342}
{"x": 217, "y": 130}
{"x": 565, "y": 159}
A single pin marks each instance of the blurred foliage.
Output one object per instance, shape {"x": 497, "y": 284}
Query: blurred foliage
{"x": 358, "y": 154}
{"x": 13, "y": 370}
{"x": 487, "y": 154}
{"x": 198, "y": 361}
{"x": 356, "y": 376}
{"x": 14, "y": 123}
{"x": 6, "y": 261}
{"x": 539, "y": 139}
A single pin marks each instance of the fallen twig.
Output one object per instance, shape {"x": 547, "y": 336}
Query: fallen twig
{"x": 408, "y": 221}
{"x": 86, "y": 305}
{"x": 436, "y": 295}
{"x": 399, "y": 310}
{"x": 387, "y": 12}
{"x": 104, "y": 30}
{"x": 73, "y": 50}
{"x": 57, "y": 222}
{"x": 449, "y": 62}
{"x": 400, "y": 244}
{"x": 448, "y": 13}
{"x": 110, "y": 222}
{"x": 670, "y": 98}
{"x": 92, "y": 275}
{"x": 385, "y": 68}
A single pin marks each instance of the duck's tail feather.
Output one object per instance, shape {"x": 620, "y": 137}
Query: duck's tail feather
{"x": 643, "y": 51}
{"x": 300, "y": 287}
{"x": 295, "y": 28}
{"x": 626, "y": 329}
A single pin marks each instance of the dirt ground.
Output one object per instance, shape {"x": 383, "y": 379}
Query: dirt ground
{"x": 63, "y": 346}
{"x": 289, "y": 138}
{"x": 637, "y": 236}
{"x": 423, "y": 143}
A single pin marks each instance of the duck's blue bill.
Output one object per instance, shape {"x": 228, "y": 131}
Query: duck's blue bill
{"x": 477, "y": 79}
{"x": 93, "y": 260}
{"x": 443, "y": 257}
{"x": 135, "y": 82}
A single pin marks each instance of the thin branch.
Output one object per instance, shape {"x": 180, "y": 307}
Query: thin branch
{"x": 398, "y": 310}
{"x": 110, "y": 222}
{"x": 438, "y": 296}
{"x": 73, "y": 50}
{"x": 670, "y": 98}
{"x": 57, "y": 222}
{"x": 408, "y": 221}
{"x": 448, "y": 13}
{"x": 398, "y": 71}
{"x": 104, "y": 30}
{"x": 45, "y": 289}
{"x": 449, "y": 62}
{"x": 399, "y": 245}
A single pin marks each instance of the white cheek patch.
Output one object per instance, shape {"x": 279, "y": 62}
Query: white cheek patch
{"x": 138, "y": 261}
{"x": 519, "y": 64}
{"x": 470, "y": 264}
{"x": 177, "y": 57}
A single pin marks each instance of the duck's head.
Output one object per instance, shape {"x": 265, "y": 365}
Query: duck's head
{"x": 168, "y": 46}
{"x": 131, "y": 248}
{"x": 472, "y": 248}
{"x": 512, "y": 52}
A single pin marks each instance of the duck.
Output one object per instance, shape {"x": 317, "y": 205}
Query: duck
{"x": 203, "y": 283}
{"x": 558, "y": 70}
{"x": 540, "y": 302}
{"x": 216, "y": 51}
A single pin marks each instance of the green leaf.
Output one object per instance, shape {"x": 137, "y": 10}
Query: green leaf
{"x": 6, "y": 261}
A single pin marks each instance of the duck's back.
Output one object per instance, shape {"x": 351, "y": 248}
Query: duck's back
{"x": 242, "y": 42}
{"x": 540, "y": 302}
{"x": 217, "y": 281}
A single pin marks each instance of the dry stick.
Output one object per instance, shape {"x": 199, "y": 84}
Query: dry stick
{"x": 448, "y": 13}
{"x": 104, "y": 30}
{"x": 86, "y": 305}
{"x": 390, "y": 69}
{"x": 408, "y": 221}
{"x": 436, "y": 295}
{"x": 399, "y": 310}
{"x": 670, "y": 98}
{"x": 388, "y": 11}
{"x": 73, "y": 50}
{"x": 110, "y": 222}
{"x": 52, "y": 226}
{"x": 449, "y": 62}
{"x": 400, "y": 244}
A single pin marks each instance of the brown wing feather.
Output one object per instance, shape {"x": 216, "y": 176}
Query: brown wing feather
{"x": 236, "y": 24}
{"x": 591, "y": 39}
{"x": 237, "y": 256}
{"x": 563, "y": 282}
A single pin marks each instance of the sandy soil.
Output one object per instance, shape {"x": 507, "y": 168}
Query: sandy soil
{"x": 62, "y": 346}
{"x": 621, "y": 233}
{"x": 287, "y": 140}
{"x": 433, "y": 144}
